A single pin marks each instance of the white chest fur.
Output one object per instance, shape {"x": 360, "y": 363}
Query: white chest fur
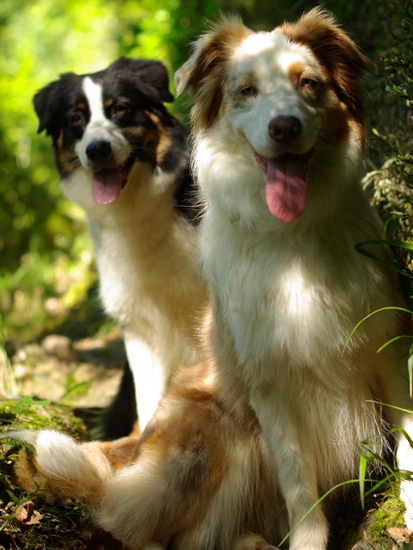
{"x": 289, "y": 293}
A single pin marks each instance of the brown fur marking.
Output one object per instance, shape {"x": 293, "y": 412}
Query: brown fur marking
{"x": 342, "y": 59}
{"x": 207, "y": 78}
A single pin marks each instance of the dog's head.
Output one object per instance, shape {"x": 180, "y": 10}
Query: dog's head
{"x": 284, "y": 93}
{"x": 106, "y": 121}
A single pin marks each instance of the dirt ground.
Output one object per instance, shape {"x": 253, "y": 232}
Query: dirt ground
{"x": 83, "y": 373}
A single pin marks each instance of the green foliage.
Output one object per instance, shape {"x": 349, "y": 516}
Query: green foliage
{"x": 391, "y": 186}
{"x": 24, "y": 403}
{"x": 400, "y": 64}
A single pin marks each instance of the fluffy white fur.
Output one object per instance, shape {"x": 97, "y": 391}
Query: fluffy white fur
{"x": 286, "y": 296}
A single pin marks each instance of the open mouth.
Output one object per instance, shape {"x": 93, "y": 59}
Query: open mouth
{"x": 107, "y": 183}
{"x": 286, "y": 187}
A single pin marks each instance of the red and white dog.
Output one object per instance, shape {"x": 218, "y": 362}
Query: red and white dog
{"x": 279, "y": 141}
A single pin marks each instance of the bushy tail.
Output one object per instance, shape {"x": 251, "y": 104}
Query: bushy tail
{"x": 78, "y": 471}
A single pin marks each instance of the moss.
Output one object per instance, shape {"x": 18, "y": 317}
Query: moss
{"x": 37, "y": 416}
{"x": 61, "y": 525}
{"x": 390, "y": 514}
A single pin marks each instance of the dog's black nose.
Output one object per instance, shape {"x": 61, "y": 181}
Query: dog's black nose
{"x": 284, "y": 129}
{"x": 98, "y": 150}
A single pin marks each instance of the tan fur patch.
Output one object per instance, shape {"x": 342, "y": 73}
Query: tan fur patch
{"x": 67, "y": 157}
{"x": 27, "y": 475}
{"x": 109, "y": 102}
{"x": 336, "y": 52}
{"x": 119, "y": 452}
{"x": 163, "y": 143}
{"x": 295, "y": 69}
{"x": 336, "y": 125}
{"x": 207, "y": 78}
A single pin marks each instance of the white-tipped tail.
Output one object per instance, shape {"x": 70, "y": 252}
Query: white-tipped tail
{"x": 74, "y": 470}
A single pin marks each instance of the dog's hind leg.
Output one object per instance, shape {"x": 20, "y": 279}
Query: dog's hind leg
{"x": 161, "y": 492}
{"x": 141, "y": 494}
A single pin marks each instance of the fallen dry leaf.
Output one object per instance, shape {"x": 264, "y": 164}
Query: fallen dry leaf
{"x": 400, "y": 535}
{"x": 25, "y": 515}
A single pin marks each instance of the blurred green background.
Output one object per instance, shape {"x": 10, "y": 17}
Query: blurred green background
{"x": 47, "y": 277}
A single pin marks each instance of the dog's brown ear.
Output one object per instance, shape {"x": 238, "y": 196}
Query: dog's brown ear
{"x": 337, "y": 53}
{"x": 203, "y": 75}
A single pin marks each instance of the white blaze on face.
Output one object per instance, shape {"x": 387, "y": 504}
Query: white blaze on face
{"x": 93, "y": 92}
{"x": 108, "y": 174}
{"x": 100, "y": 128}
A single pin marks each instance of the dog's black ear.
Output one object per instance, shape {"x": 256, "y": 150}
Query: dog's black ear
{"x": 48, "y": 104}
{"x": 154, "y": 74}
{"x": 151, "y": 77}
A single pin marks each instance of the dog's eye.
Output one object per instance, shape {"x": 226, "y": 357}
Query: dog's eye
{"x": 75, "y": 120}
{"x": 308, "y": 83}
{"x": 120, "y": 109}
{"x": 248, "y": 91}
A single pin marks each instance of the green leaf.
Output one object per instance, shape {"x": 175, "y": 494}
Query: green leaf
{"x": 387, "y": 308}
{"x": 362, "y": 477}
{"x": 26, "y": 402}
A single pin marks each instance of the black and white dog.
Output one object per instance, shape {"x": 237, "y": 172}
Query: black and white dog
{"x": 123, "y": 157}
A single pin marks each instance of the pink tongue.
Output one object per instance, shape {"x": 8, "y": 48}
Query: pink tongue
{"x": 106, "y": 185}
{"x": 286, "y": 189}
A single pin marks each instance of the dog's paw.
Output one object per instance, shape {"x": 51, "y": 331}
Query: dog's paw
{"x": 406, "y": 494}
{"x": 253, "y": 542}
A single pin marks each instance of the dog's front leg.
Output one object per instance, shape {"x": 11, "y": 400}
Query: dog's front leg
{"x": 396, "y": 394}
{"x": 296, "y": 468}
{"x": 405, "y": 465}
{"x": 149, "y": 377}
{"x": 403, "y": 422}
